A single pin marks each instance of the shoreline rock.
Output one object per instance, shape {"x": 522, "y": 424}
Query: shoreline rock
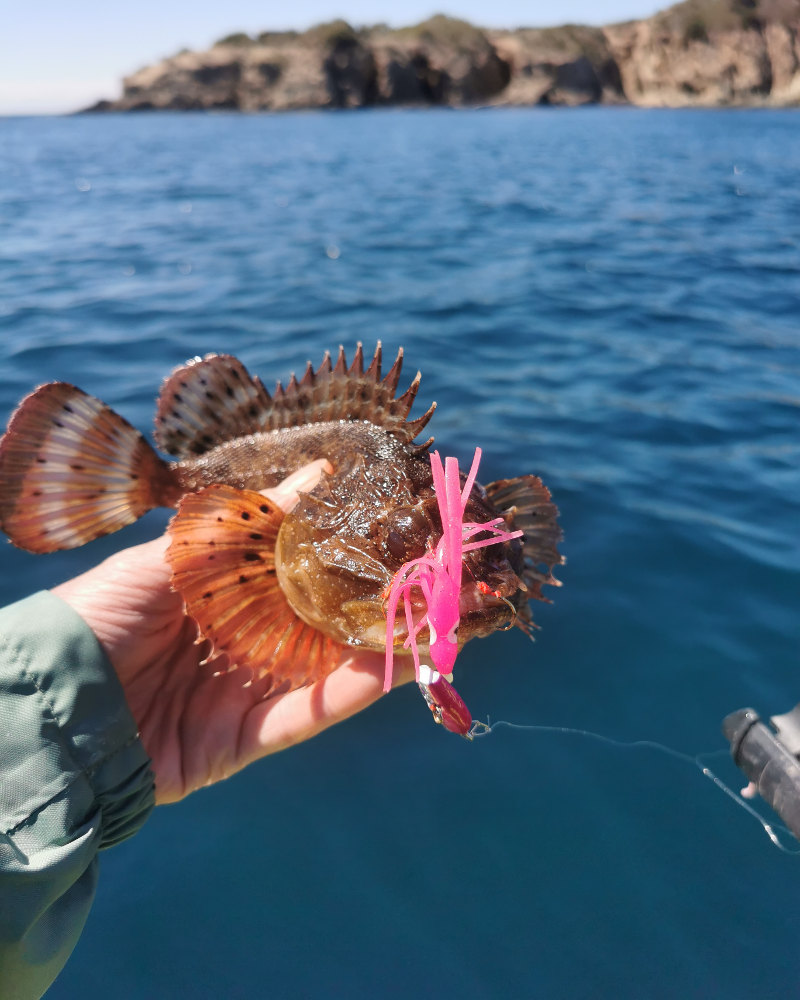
{"x": 700, "y": 53}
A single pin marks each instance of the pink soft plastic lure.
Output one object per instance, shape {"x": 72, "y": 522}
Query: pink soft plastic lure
{"x": 438, "y": 576}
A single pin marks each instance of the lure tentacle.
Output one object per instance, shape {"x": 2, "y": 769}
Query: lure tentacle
{"x": 437, "y": 574}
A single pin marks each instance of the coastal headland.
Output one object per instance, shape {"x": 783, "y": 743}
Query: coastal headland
{"x": 701, "y": 53}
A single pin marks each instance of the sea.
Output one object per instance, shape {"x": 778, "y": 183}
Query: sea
{"x": 606, "y": 297}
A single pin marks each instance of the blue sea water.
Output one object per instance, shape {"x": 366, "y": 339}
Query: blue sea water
{"x": 606, "y": 297}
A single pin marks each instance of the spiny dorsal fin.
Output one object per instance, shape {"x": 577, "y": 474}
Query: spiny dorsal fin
{"x": 336, "y": 391}
{"x": 525, "y": 503}
{"x": 223, "y": 563}
{"x": 207, "y": 401}
{"x": 214, "y": 399}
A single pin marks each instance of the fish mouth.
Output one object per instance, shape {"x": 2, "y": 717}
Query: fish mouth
{"x": 483, "y": 613}
{"x": 480, "y": 614}
{"x": 492, "y": 598}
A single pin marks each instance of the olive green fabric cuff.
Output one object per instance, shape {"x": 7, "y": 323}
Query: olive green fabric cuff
{"x": 68, "y": 742}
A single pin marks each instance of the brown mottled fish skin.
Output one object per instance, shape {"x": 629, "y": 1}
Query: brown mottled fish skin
{"x": 261, "y": 460}
{"x": 71, "y": 470}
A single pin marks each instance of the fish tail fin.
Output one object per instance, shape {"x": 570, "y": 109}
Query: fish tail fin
{"x": 526, "y": 505}
{"x": 71, "y": 470}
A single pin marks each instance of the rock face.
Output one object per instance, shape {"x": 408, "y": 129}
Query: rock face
{"x": 569, "y": 65}
{"x": 442, "y": 61}
{"x": 711, "y": 53}
{"x": 700, "y": 52}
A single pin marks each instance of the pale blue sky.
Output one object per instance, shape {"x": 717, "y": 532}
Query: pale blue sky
{"x": 59, "y": 55}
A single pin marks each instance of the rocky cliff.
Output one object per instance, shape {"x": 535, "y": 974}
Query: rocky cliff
{"x": 712, "y": 52}
{"x": 701, "y": 52}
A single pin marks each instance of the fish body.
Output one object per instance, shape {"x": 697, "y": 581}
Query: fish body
{"x": 273, "y": 590}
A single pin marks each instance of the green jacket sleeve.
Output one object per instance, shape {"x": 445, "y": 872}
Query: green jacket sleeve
{"x": 74, "y": 779}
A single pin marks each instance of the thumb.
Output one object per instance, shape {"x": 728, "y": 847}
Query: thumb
{"x": 286, "y": 494}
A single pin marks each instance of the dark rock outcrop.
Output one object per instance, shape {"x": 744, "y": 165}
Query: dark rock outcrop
{"x": 569, "y": 65}
{"x": 351, "y": 77}
{"x": 441, "y": 61}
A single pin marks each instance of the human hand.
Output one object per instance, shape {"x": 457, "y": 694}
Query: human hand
{"x": 199, "y": 728}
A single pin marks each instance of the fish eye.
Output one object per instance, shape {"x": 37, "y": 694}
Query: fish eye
{"x": 407, "y": 531}
{"x": 395, "y": 544}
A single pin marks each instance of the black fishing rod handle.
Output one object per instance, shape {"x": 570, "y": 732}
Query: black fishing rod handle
{"x": 767, "y": 763}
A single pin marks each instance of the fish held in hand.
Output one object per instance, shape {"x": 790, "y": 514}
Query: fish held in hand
{"x": 280, "y": 593}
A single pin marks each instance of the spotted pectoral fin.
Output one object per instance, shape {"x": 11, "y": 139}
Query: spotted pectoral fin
{"x": 525, "y": 503}
{"x": 71, "y": 469}
{"x": 223, "y": 562}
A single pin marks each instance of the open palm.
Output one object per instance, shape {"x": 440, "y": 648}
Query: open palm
{"x": 198, "y": 722}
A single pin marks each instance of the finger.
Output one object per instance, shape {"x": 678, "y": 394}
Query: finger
{"x": 291, "y": 718}
{"x": 281, "y": 722}
{"x": 128, "y": 578}
{"x": 285, "y": 495}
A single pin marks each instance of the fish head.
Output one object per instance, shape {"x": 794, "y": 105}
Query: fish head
{"x": 336, "y": 567}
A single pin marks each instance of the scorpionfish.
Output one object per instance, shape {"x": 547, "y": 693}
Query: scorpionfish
{"x": 277, "y": 592}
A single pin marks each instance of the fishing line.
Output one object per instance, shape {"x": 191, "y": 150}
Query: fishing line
{"x": 773, "y": 831}
{"x": 438, "y": 574}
